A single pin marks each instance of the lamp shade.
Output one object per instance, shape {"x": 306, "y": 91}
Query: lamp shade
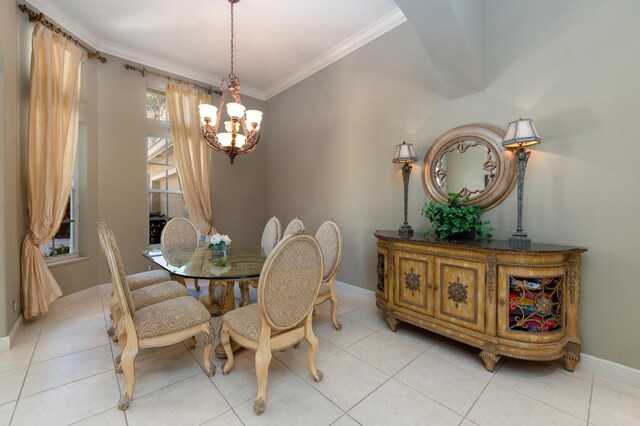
{"x": 235, "y": 110}
{"x": 207, "y": 110}
{"x": 405, "y": 153}
{"x": 254, "y": 116}
{"x": 521, "y": 133}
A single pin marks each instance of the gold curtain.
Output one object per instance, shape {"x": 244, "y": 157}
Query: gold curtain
{"x": 54, "y": 96}
{"x": 193, "y": 157}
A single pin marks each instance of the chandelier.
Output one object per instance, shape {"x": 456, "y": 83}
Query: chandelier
{"x": 231, "y": 142}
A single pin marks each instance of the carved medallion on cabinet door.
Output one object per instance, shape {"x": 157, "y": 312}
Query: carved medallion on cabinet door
{"x": 414, "y": 275}
{"x": 460, "y": 292}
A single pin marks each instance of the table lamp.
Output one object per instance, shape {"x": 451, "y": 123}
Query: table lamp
{"x": 520, "y": 134}
{"x": 406, "y": 155}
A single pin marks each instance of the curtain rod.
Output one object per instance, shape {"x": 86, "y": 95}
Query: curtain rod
{"x": 143, "y": 71}
{"x": 40, "y": 17}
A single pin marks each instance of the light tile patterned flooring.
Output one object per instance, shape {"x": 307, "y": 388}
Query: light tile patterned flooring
{"x": 61, "y": 372}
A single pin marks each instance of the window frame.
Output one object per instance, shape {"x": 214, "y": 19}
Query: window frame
{"x": 73, "y": 227}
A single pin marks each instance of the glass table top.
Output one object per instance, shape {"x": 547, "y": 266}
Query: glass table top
{"x": 242, "y": 261}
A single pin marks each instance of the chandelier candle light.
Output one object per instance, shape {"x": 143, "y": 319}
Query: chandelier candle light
{"x": 406, "y": 155}
{"x": 231, "y": 142}
{"x": 520, "y": 134}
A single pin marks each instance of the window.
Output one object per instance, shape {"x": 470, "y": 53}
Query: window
{"x": 165, "y": 195}
{"x": 157, "y": 105}
{"x": 65, "y": 242}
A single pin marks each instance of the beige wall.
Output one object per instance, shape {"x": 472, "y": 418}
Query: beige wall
{"x": 568, "y": 65}
{"x": 11, "y": 202}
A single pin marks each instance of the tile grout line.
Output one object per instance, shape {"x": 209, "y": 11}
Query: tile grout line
{"x": 590, "y": 399}
{"x": 483, "y": 390}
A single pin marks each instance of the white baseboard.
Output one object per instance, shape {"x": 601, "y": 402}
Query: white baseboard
{"x": 610, "y": 370}
{"x": 6, "y": 341}
{"x": 342, "y": 287}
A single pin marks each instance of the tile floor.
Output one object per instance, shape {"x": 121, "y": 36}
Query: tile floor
{"x": 61, "y": 372}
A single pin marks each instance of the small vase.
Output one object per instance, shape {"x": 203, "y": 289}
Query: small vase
{"x": 222, "y": 252}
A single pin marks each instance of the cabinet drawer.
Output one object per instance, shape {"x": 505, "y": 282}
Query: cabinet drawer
{"x": 414, "y": 282}
{"x": 460, "y": 292}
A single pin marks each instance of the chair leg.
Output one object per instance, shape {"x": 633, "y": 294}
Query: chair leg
{"x": 128, "y": 361}
{"x": 334, "y": 309}
{"x": 225, "y": 341}
{"x": 263, "y": 359}
{"x": 122, "y": 342}
{"x": 209, "y": 368}
{"x": 195, "y": 282}
{"x": 244, "y": 293}
{"x": 190, "y": 342}
{"x": 312, "y": 349}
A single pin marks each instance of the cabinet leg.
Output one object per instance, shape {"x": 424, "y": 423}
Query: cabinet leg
{"x": 490, "y": 360}
{"x": 571, "y": 356}
{"x": 393, "y": 322}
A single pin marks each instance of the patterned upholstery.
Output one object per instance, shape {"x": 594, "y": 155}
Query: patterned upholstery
{"x": 330, "y": 240}
{"x": 290, "y": 281}
{"x": 170, "y": 316}
{"x": 179, "y": 232}
{"x": 293, "y": 227}
{"x": 271, "y": 234}
{"x": 246, "y": 321}
{"x": 151, "y": 295}
{"x": 324, "y": 288}
{"x": 147, "y": 278}
{"x": 123, "y": 277}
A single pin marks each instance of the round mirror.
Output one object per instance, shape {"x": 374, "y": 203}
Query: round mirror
{"x": 470, "y": 160}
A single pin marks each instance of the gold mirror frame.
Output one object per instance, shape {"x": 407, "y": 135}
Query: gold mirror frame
{"x": 461, "y": 138}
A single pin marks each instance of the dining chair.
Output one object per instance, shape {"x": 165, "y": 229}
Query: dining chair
{"x": 294, "y": 226}
{"x": 270, "y": 238}
{"x": 146, "y": 288}
{"x": 161, "y": 324}
{"x": 289, "y": 284}
{"x": 330, "y": 239}
{"x": 180, "y": 231}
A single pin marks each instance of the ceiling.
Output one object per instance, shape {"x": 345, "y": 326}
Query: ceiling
{"x": 278, "y": 42}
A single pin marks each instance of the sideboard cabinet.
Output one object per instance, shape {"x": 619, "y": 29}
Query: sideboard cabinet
{"x": 520, "y": 303}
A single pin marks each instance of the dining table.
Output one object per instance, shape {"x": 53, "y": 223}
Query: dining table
{"x": 242, "y": 262}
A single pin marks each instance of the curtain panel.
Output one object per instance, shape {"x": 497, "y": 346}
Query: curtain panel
{"x": 54, "y": 97}
{"x": 193, "y": 157}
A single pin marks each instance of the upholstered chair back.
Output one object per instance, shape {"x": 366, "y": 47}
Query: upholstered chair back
{"x": 116, "y": 268}
{"x": 330, "y": 239}
{"x": 271, "y": 234}
{"x": 293, "y": 227}
{"x": 179, "y": 232}
{"x": 290, "y": 281}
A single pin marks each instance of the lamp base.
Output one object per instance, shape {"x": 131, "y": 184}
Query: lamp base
{"x": 520, "y": 240}
{"x": 405, "y": 231}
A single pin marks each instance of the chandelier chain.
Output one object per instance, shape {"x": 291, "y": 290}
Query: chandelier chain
{"x": 232, "y": 40}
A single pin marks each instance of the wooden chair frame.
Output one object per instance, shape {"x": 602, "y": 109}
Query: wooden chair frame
{"x": 128, "y": 337}
{"x": 330, "y": 277}
{"x": 268, "y": 342}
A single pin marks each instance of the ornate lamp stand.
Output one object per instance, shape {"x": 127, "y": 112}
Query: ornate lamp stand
{"x": 520, "y": 134}
{"x": 405, "y": 154}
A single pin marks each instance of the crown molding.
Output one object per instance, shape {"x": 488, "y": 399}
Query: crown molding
{"x": 366, "y": 35}
{"x": 171, "y": 67}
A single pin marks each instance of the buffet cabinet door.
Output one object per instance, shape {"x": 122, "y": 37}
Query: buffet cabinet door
{"x": 460, "y": 292}
{"x": 413, "y": 278}
{"x": 531, "y": 303}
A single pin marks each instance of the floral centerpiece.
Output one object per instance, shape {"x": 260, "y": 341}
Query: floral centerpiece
{"x": 219, "y": 266}
{"x": 219, "y": 244}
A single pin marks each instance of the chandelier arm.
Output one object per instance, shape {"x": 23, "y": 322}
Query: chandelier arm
{"x": 219, "y": 114}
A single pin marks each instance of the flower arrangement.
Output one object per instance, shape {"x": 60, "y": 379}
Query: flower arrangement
{"x": 219, "y": 243}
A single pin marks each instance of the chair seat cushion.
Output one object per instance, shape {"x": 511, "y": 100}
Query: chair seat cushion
{"x": 147, "y": 278}
{"x": 156, "y": 293}
{"x": 170, "y": 316}
{"x": 245, "y": 321}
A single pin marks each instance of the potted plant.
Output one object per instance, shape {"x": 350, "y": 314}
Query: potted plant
{"x": 454, "y": 219}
